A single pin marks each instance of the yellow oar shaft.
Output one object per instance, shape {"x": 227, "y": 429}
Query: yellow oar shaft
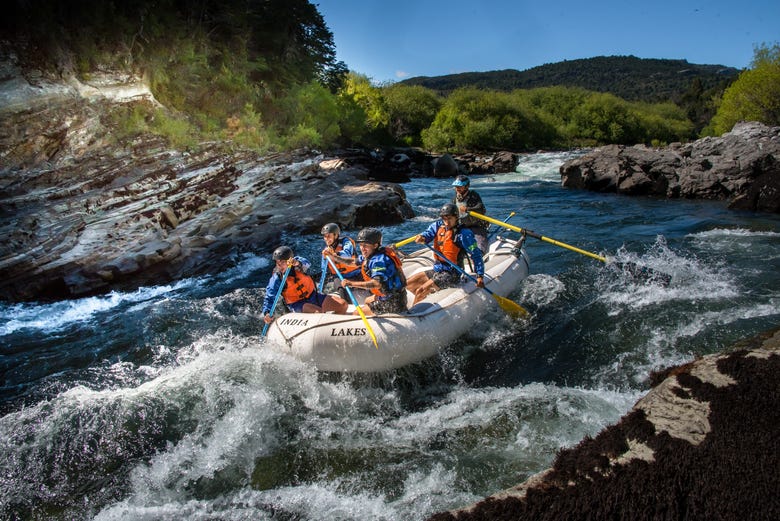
{"x": 405, "y": 241}
{"x": 540, "y": 237}
{"x": 355, "y": 302}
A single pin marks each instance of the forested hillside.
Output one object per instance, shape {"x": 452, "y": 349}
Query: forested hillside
{"x": 263, "y": 74}
{"x": 628, "y": 77}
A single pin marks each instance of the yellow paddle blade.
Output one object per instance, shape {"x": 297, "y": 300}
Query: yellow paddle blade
{"x": 368, "y": 326}
{"x": 511, "y": 307}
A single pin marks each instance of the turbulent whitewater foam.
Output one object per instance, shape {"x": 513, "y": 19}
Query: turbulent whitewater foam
{"x": 52, "y": 317}
{"x": 541, "y": 290}
{"x": 542, "y": 166}
{"x": 637, "y": 282}
{"x": 205, "y": 425}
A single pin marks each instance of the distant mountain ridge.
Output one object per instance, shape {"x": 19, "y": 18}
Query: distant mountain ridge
{"x": 629, "y": 77}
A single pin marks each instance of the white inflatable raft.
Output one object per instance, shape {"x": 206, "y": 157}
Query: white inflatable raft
{"x": 332, "y": 342}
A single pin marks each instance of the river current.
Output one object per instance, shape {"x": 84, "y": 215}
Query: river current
{"x": 161, "y": 404}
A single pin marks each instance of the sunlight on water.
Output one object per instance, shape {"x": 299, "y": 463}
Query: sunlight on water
{"x": 541, "y": 290}
{"x": 637, "y": 281}
{"x": 51, "y": 317}
{"x": 207, "y": 425}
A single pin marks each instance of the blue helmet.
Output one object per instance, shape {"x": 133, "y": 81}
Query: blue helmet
{"x": 461, "y": 180}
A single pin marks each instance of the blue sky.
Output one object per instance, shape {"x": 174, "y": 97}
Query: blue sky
{"x": 393, "y": 40}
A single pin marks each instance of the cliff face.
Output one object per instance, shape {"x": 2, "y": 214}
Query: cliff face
{"x": 702, "y": 444}
{"x": 81, "y": 213}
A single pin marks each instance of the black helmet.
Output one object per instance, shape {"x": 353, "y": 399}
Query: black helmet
{"x": 282, "y": 253}
{"x": 448, "y": 209}
{"x": 330, "y": 228}
{"x": 461, "y": 180}
{"x": 371, "y": 235}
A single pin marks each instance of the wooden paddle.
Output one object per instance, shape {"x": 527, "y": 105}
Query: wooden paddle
{"x": 633, "y": 268}
{"x": 279, "y": 294}
{"x": 511, "y": 307}
{"x": 355, "y": 302}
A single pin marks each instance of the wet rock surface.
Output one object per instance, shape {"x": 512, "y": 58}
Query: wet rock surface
{"x": 83, "y": 213}
{"x": 702, "y": 444}
{"x": 742, "y": 167}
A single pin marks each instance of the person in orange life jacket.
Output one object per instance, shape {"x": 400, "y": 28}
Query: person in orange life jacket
{"x": 453, "y": 242}
{"x": 468, "y": 200}
{"x": 338, "y": 248}
{"x": 382, "y": 275}
{"x": 299, "y": 292}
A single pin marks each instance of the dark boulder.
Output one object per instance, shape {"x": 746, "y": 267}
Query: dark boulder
{"x": 740, "y": 167}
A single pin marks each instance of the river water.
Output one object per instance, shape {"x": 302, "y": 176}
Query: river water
{"x": 160, "y": 403}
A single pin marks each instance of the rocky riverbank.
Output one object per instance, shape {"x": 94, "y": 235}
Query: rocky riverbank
{"x": 83, "y": 214}
{"x": 702, "y": 444}
{"x": 742, "y": 167}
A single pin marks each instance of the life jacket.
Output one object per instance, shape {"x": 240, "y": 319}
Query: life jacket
{"x": 298, "y": 286}
{"x": 343, "y": 268}
{"x": 445, "y": 245}
{"x": 399, "y": 284}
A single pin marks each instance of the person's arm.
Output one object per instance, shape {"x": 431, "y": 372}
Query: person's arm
{"x": 362, "y": 284}
{"x": 348, "y": 250}
{"x": 378, "y": 273}
{"x": 271, "y": 291}
{"x": 429, "y": 234}
{"x": 301, "y": 263}
{"x": 342, "y": 260}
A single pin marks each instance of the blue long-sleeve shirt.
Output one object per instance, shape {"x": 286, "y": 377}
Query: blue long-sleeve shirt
{"x": 464, "y": 239}
{"x": 275, "y": 284}
{"x": 381, "y": 267}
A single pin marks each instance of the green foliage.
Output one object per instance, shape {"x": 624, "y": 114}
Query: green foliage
{"x": 177, "y": 130}
{"x": 312, "y": 113}
{"x": 411, "y": 109}
{"x": 369, "y": 97}
{"x": 755, "y": 95}
{"x": 248, "y": 131}
{"x": 473, "y": 119}
{"x": 263, "y": 74}
{"x": 207, "y": 59}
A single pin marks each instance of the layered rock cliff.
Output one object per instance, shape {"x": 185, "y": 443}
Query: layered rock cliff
{"x": 702, "y": 444}
{"x": 81, "y": 213}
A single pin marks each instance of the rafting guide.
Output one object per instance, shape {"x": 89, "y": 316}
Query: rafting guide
{"x": 451, "y": 242}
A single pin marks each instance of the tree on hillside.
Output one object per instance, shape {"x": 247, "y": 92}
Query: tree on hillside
{"x": 755, "y": 95}
{"x": 410, "y": 110}
{"x": 477, "y": 120}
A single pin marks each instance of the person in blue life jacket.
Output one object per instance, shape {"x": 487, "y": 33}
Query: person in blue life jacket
{"x": 452, "y": 241}
{"x": 382, "y": 275}
{"x": 468, "y": 200}
{"x": 338, "y": 248}
{"x": 299, "y": 292}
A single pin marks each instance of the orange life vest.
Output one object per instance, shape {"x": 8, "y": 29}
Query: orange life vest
{"x": 445, "y": 244}
{"x": 298, "y": 286}
{"x": 343, "y": 268}
{"x": 398, "y": 268}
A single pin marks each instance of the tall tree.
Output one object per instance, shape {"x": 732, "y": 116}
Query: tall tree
{"x": 755, "y": 95}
